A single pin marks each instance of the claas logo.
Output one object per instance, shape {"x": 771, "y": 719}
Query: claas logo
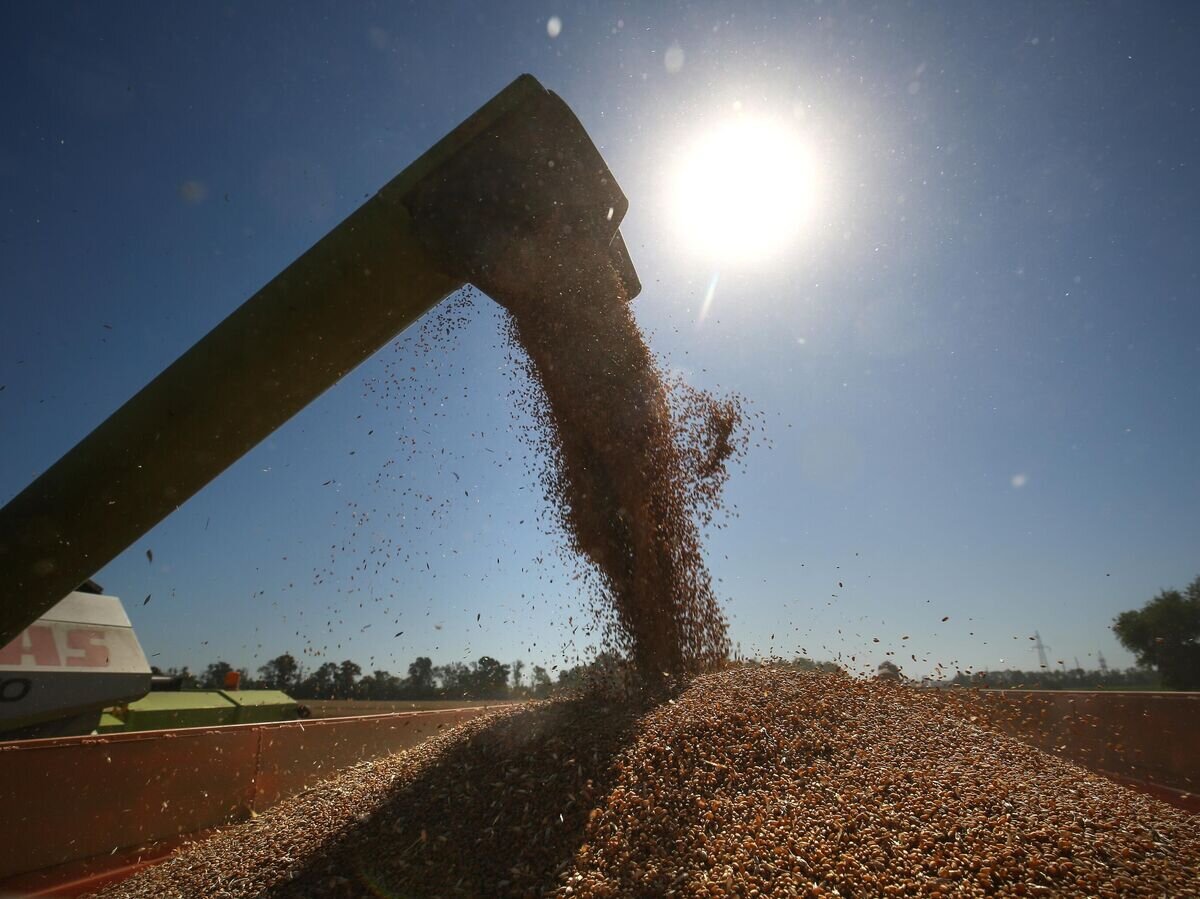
{"x": 39, "y": 645}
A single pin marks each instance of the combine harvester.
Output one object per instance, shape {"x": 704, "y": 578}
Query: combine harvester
{"x": 59, "y": 675}
{"x": 81, "y": 810}
{"x": 79, "y": 669}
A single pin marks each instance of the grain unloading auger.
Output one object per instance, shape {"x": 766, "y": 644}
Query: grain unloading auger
{"x": 519, "y": 174}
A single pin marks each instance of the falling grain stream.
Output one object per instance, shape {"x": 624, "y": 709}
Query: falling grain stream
{"x": 626, "y": 476}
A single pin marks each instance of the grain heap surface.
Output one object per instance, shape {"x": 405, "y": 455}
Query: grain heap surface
{"x": 752, "y": 781}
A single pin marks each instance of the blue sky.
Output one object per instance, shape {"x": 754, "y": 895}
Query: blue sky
{"x": 978, "y": 367}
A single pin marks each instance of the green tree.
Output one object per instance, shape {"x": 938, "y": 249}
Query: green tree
{"x": 319, "y": 684}
{"x": 607, "y": 671}
{"x": 420, "y": 677}
{"x": 187, "y": 680}
{"x": 1165, "y": 634}
{"x": 456, "y": 679}
{"x": 489, "y": 678}
{"x": 518, "y": 671}
{"x": 213, "y": 677}
{"x": 345, "y": 679}
{"x": 540, "y": 682}
{"x": 280, "y": 673}
{"x": 379, "y": 685}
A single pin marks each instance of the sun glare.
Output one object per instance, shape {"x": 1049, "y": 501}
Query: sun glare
{"x": 742, "y": 191}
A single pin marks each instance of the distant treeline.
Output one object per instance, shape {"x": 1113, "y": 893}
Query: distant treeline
{"x": 1060, "y": 679}
{"x": 486, "y": 678}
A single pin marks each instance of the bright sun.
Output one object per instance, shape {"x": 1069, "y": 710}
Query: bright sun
{"x": 743, "y": 191}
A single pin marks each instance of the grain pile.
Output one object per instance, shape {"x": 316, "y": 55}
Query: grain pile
{"x": 752, "y": 781}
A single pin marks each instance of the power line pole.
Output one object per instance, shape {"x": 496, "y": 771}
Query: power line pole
{"x": 1041, "y": 650}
